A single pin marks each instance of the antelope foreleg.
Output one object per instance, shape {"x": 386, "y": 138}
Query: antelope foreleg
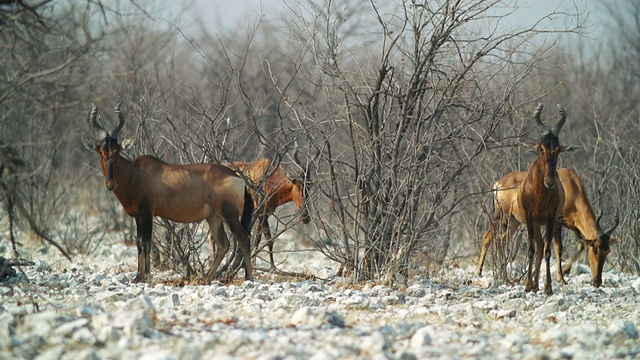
{"x": 540, "y": 249}
{"x": 260, "y": 231}
{"x": 557, "y": 242}
{"x": 267, "y": 233}
{"x": 144, "y": 224}
{"x": 549, "y": 236}
{"x": 566, "y": 269}
{"x": 532, "y": 250}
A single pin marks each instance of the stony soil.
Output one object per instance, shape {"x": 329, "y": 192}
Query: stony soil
{"x": 89, "y": 309}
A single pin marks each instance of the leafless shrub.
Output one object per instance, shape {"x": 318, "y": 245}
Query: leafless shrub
{"x": 416, "y": 109}
{"x": 404, "y": 122}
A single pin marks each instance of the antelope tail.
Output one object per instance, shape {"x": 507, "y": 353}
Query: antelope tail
{"x": 247, "y": 212}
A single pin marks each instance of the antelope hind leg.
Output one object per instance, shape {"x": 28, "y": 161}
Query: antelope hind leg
{"x": 219, "y": 238}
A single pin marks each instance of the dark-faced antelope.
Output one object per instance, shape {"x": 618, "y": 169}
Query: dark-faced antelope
{"x": 576, "y": 216}
{"x": 147, "y": 187}
{"x": 274, "y": 188}
{"x": 542, "y": 197}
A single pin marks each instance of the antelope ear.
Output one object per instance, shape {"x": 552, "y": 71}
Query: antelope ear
{"x": 613, "y": 241}
{"x": 126, "y": 144}
{"x": 90, "y": 145}
{"x": 570, "y": 148}
{"x": 531, "y": 147}
{"x": 301, "y": 181}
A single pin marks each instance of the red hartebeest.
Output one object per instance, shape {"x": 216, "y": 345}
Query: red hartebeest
{"x": 147, "y": 187}
{"x": 576, "y": 216}
{"x": 542, "y": 197}
{"x": 274, "y": 188}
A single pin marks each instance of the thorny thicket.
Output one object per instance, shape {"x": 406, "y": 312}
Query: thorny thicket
{"x": 415, "y": 109}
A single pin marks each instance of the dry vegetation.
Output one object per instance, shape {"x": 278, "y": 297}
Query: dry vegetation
{"x": 414, "y": 108}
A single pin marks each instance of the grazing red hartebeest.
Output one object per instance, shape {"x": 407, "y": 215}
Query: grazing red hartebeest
{"x": 576, "y": 216}
{"x": 274, "y": 188}
{"x": 147, "y": 187}
{"x": 542, "y": 197}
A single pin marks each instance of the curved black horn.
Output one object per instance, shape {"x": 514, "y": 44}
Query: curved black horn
{"x": 102, "y": 133}
{"x": 304, "y": 169}
{"x": 598, "y": 223}
{"x": 616, "y": 222}
{"x": 563, "y": 118}
{"x": 120, "y": 116}
{"x": 295, "y": 154}
{"x": 536, "y": 117}
{"x": 296, "y": 159}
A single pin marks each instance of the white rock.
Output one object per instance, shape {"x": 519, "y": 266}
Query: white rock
{"x": 41, "y": 324}
{"x": 355, "y": 301}
{"x": 157, "y": 354}
{"x": 68, "y": 328}
{"x": 84, "y": 336}
{"x": 374, "y": 344}
{"x": 622, "y": 327}
{"x": 485, "y": 305}
{"x": 53, "y": 353}
{"x": 89, "y": 312}
{"x": 422, "y": 337}
{"x": 42, "y": 265}
{"x": 6, "y": 320}
{"x": 556, "y": 336}
{"x": 504, "y": 313}
{"x": 316, "y": 318}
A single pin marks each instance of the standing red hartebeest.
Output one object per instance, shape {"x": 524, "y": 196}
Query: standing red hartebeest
{"x": 147, "y": 187}
{"x": 576, "y": 216}
{"x": 274, "y": 188}
{"x": 542, "y": 197}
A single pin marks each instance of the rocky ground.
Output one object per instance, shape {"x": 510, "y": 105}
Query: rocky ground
{"x": 89, "y": 309}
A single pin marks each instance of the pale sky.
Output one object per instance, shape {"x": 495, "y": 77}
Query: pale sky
{"x": 221, "y": 16}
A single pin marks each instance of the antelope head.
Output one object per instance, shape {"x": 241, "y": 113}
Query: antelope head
{"x": 549, "y": 146}
{"x": 107, "y": 147}
{"x": 599, "y": 249}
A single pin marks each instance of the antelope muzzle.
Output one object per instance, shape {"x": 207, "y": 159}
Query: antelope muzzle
{"x": 110, "y": 182}
{"x": 305, "y": 218}
{"x": 110, "y": 185}
{"x": 550, "y": 181}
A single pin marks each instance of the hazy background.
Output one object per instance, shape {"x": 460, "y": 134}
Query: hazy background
{"x": 405, "y": 115}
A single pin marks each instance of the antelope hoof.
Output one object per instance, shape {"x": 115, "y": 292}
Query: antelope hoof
{"x": 530, "y": 287}
{"x": 138, "y": 279}
{"x": 566, "y": 270}
{"x": 548, "y": 290}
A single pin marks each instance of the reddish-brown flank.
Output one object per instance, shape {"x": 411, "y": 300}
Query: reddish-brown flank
{"x": 147, "y": 187}
{"x": 577, "y": 216}
{"x": 274, "y": 188}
